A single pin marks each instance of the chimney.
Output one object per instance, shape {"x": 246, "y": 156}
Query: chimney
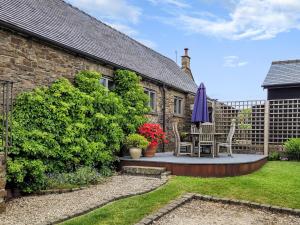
{"x": 186, "y": 63}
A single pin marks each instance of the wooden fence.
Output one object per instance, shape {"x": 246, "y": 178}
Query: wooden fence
{"x": 261, "y": 126}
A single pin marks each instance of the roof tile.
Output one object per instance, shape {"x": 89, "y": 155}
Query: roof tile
{"x": 59, "y": 22}
{"x": 283, "y": 73}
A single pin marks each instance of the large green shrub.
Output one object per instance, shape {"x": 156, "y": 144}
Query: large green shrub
{"x": 64, "y": 127}
{"x": 134, "y": 99}
{"x": 292, "y": 148}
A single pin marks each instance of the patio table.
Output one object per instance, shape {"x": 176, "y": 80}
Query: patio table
{"x": 196, "y": 135}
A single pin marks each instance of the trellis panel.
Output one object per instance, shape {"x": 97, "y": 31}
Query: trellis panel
{"x": 249, "y": 116}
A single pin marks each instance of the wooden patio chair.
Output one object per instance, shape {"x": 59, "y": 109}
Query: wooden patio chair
{"x": 194, "y": 129}
{"x": 228, "y": 143}
{"x": 179, "y": 144}
{"x": 206, "y": 137}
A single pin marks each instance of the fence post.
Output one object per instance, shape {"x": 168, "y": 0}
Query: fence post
{"x": 213, "y": 111}
{"x": 266, "y": 127}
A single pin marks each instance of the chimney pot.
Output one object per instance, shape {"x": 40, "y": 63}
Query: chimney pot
{"x": 186, "y": 52}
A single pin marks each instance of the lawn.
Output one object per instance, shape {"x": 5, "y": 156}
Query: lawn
{"x": 277, "y": 183}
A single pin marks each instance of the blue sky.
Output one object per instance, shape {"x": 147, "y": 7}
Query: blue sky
{"x": 232, "y": 42}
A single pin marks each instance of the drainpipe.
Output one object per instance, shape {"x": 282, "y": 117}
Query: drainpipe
{"x": 164, "y": 111}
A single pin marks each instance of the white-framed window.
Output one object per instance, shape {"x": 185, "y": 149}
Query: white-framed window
{"x": 178, "y": 105}
{"x": 107, "y": 82}
{"x": 152, "y": 97}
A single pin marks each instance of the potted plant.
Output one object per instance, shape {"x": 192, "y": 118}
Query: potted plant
{"x": 155, "y": 135}
{"x": 136, "y": 143}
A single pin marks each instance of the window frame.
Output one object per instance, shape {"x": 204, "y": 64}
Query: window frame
{"x": 106, "y": 80}
{"x": 178, "y": 108}
{"x": 149, "y": 92}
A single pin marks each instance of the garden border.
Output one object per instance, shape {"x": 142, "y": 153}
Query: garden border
{"x": 193, "y": 196}
{"x": 118, "y": 197}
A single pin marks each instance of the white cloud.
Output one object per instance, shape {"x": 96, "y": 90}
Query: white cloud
{"x": 249, "y": 19}
{"x": 120, "y": 10}
{"x": 177, "y": 3}
{"x": 148, "y": 43}
{"x": 233, "y": 61}
{"x": 124, "y": 28}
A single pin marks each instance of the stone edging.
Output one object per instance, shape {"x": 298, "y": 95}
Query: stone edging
{"x": 118, "y": 197}
{"x": 191, "y": 196}
{"x": 59, "y": 191}
{"x": 56, "y": 191}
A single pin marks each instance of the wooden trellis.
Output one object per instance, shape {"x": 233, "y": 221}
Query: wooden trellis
{"x": 249, "y": 116}
{"x": 261, "y": 125}
{"x": 284, "y": 121}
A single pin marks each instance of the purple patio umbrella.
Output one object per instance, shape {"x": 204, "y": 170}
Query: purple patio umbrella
{"x": 200, "y": 111}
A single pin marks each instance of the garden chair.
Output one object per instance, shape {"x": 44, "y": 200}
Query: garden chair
{"x": 178, "y": 144}
{"x": 206, "y": 137}
{"x": 228, "y": 143}
{"x": 194, "y": 129}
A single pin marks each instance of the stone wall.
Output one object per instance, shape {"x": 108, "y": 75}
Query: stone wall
{"x": 2, "y": 183}
{"x": 32, "y": 63}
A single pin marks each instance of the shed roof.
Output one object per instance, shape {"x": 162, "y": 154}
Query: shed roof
{"x": 283, "y": 73}
{"x": 66, "y": 26}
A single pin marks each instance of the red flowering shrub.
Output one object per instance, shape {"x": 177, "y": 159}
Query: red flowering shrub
{"x": 154, "y": 133}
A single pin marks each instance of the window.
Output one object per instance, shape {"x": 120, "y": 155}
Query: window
{"x": 178, "y": 105}
{"x": 107, "y": 82}
{"x": 152, "y": 97}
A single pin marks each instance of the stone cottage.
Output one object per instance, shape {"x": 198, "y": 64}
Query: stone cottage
{"x": 41, "y": 41}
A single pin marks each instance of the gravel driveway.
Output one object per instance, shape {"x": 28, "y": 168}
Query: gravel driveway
{"x": 202, "y": 212}
{"x": 46, "y": 209}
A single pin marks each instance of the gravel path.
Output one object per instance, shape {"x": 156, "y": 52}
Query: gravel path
{"x": 203, "y": 212}
{"x": 47, "y": 209}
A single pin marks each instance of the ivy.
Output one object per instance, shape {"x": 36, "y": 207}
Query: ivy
{"x": 67, "y": 126}
{"x": 135, "y": 101}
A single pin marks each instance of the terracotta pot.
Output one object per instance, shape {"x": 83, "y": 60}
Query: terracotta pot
{"x": 135, "y": 153}
{"x": 151, "y": 150}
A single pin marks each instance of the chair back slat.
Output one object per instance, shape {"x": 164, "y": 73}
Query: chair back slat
{"x": 207, "y": 131}
{"x": 194, "y": 129}
{"x": 177, "y": 136}
{"x": 231, "y": 132}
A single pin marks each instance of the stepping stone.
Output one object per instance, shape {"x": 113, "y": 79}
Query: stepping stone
{"x": 143, "y": 170}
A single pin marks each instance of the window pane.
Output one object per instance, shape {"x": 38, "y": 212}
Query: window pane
{"x": 152, "y": 100}
{"x": 103, "y": 81}
{"x": 110, "y": 84}
{"x": 179, "y": 106}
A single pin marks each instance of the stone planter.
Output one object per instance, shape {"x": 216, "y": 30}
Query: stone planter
{"x": 135, "y": 153}
{"x": 150, "y": 151}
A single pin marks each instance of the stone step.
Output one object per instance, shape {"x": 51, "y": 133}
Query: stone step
{"x": 144, "y": 170}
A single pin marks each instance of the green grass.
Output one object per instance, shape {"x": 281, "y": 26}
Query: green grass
{"x": 277, "y": 183}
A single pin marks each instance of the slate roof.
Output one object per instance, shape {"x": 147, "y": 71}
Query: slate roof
{"x": 283, "y": 73}
{"x": 58, "y": 22}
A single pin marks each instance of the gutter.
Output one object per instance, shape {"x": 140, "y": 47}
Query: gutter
{"x": 164, "y": 111}
{"x": 79, "y": 52}
{"x": 281, "y": 85}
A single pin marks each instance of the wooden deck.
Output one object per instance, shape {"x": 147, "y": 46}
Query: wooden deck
{"x": 221, "y": 166}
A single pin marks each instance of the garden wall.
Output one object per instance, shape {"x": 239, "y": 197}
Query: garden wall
{"x": 2, "y": 183}
{"x": 31, "y": 63}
